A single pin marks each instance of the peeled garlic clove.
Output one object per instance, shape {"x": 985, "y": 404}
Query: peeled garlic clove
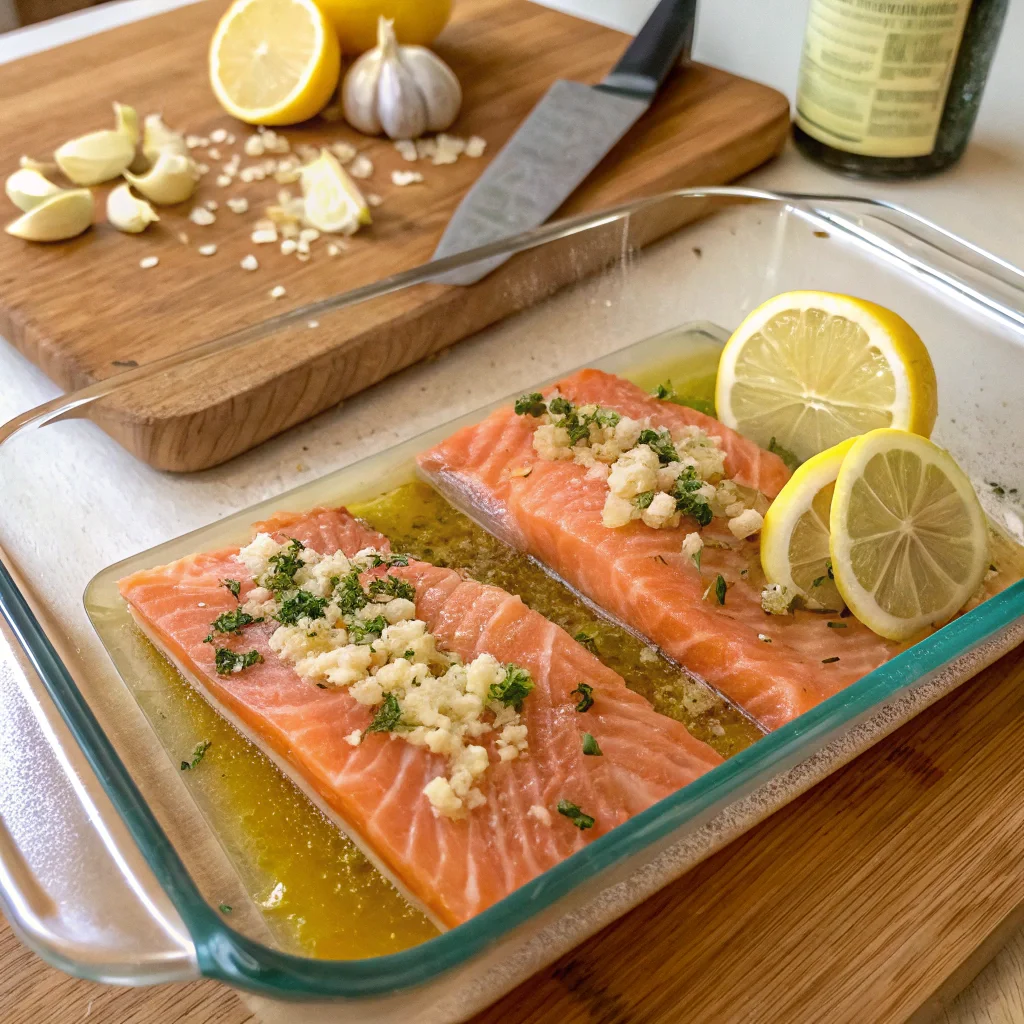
{"x": 127, "y": 212}
{"x": 156, "y": 137}
{"x": 62, "y": 216}
{"x": 172, "y": 179}
{"x": 400, "y": 90}
{"x": 27, "y": 163}
{"x": 96, "y": 157}
{"x": 127, "y": 122}
{"x": 27, "y": 188}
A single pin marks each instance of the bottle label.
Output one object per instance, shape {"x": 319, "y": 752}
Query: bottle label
{"x": 874, "y": 73}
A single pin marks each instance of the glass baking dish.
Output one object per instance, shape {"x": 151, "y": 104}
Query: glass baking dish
{"x": 109, "y": 864}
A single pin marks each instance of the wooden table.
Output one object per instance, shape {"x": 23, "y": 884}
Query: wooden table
{"x": 774, "y": 927}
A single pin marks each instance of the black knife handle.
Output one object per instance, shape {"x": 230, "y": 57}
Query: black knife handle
{"x": 665, "y": 37}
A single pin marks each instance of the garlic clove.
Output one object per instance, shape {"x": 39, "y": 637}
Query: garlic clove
{"x": 359, "y": 94}
{"x": 96, "y": 157}
{"x": 400, "y": 105}
{"x": 172, "y": 179}
{"x": 128, "y": 213}
{"x": 332, "y": 201}
{"x": 156, "y": 137}
{"x": 127, "y": 122}
{"x": 62, "y": 216}
{"x": 29, "y": 164}
{"x": 438, "y": 85}
{"x": 28, "y": 188}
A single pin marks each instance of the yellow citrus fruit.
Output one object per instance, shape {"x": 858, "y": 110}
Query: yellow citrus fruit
{"x": 274, "y": 62}
{"x": 908, "y": 537}
{"x": 812, "y": 369}
{"x": 417, "y": 22}
{"x": 795, "y": 536}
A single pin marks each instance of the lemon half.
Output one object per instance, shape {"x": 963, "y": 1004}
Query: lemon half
{"x": 812, "y": 369}
{"x": 274, "y": 61}
{"x": 909, "y": 542}
{"x": 795, "y": 536}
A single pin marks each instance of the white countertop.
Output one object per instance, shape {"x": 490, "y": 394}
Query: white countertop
{"x": 982, "y": 198}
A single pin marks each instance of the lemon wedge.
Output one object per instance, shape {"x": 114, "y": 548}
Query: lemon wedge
{"x": 332, "y": 200}
{"x": 812, "y": 369}
{"x": 909, "y": 541}
{"x": 274, "y": 61}
{"x": 795, "y": 536}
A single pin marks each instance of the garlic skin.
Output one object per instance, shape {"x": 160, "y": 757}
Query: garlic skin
{"x": 156, "y": 137}
{"x": 172, "y": 179}
{"x": 127, "y": 212}
{"x": 402, "y": 91}
{"x": 62, "y": 216}
{"x": 99, "y": 156}
{"x": 28, "y": 188}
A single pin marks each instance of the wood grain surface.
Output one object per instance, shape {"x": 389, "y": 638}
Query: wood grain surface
{"x": 875, "y": 897}
{"x": 83, "y": 310}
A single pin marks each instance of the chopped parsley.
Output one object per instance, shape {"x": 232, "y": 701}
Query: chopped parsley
{"x": 667, "y": 393}
{"x": 225, "y": 908}
{"x": 575, "y": 425}
{"x": 409, "y": 654}
{"x": 377, "y": 560}
{"x": 688, "y": 501}
{"x": 513, "y": 689}
{"x": 231, "y": 622}
{"x": 388, "y": 715}
{"x": 234, "y": 586}
{"x": 836, "y": 625}
{"x": 818, "y": 580}
{"x": 828, "y": 661}
{"x": 227, "y": 661}
{"x": 197, "y": 755}
{"x": 644, "y": 499}
{"x": 368, "y": 631}
{"x": 696, "y": 557}
{"x": 285, "y": 564}
{"x": 352, "y": 596}
{"x": 560, "y": 406}
{"x": 717, "y": 586}
{"x": 660, "y": 442}
{"x": 392, "y": 586}
{"x": 586, "y": 701}
{"x": 790, "y": 460}
{"x": 590, "y": 746}
{"x": 303, "y": 605}
{"x": 530, "y": 405}
{"x": 586, "y": 640}
{"x": 575, "y": 815}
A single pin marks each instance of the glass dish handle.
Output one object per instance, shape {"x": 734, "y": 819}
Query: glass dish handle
{"x": 73, "y": 884}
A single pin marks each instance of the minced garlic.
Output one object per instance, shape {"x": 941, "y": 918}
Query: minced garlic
{"x": 776, "y": 599}
{"x": 653, "y": 475}
{"x": 337, "y": 631}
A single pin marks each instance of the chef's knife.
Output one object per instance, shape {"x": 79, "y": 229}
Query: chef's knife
{"x": 562, "y": 140}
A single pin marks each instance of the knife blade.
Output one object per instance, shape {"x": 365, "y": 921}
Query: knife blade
{"x": 562, "y": 140}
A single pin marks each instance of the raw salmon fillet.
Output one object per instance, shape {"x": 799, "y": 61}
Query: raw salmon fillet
{"x": 454, "y": 868}
{"x": 638, "y": 574}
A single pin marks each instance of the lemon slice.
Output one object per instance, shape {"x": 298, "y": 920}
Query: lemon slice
{"x": 812, "y": 369}
{"x": 909, "y": 541}
{"x": 795, "y": 535}
{"x": 333, "y": 202}
{"x": 274, "y": 61}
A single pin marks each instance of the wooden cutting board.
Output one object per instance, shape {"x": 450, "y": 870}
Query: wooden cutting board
{"x": 84, "y": 310}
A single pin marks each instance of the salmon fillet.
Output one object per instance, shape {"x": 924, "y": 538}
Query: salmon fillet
{"x": 638, "y": 574}
{"x": 455, "y": 868}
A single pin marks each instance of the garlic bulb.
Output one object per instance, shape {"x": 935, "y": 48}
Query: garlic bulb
{"x": 28, "y": 188}
{"x": 99, "y": 156}
{"x": 172, "y": 179}
{"x": 402, "y": 91}
{"x": 64, "y": 215}
{"x": 128, "y": 213}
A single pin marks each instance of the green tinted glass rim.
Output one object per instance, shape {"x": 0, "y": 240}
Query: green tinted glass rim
{"x": 224, "y": 954}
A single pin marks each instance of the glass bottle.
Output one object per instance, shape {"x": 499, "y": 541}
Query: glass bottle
{"x": 891, "y": 88}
